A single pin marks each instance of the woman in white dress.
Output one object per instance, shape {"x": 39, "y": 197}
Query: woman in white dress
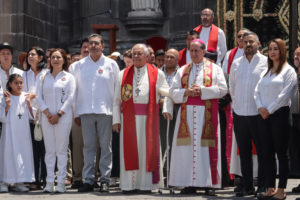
{"x": 273, "y": 98}
{"x": 16, "y": 166}
{"x": 55, "y": 92}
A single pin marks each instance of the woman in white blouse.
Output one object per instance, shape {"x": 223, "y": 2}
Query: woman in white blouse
{"x": 36, "y": 65}
{"x": 55, "y": 92}
{"x": 273, "y": 99}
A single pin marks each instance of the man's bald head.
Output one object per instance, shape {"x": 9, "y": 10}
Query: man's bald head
{"x": 174, "y": 52}
{"x": 171, "y": 58}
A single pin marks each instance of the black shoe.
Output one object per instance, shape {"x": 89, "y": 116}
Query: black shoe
{"x": 104, "y": 187}
{"x": 275, "y": 198}
{"x": 261, "y": 196}
{"x": 86, "y": 188}
{"x": 76, "y": 184}
{"x": 129, "y": 192}
{"x": 238, "y": 188}
{"x": 188, "y": 190}
{"x": 96, "y": 185}
{"x": 296, "y": 189}
{"x": 144, "y": 191}
{"x": 260, "y": 191}
{"x": 245, "y": 192}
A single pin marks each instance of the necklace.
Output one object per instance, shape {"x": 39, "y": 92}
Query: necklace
{"x": 19, "y": 110}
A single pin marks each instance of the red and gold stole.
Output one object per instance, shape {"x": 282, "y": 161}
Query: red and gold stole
{"x": 213, "y": 36}
{"x": 129, "y": 124}
{"x": 208, "y": 133}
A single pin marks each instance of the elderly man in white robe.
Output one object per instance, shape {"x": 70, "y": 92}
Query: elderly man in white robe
{"x": 136, "y": 117}
{"x": 195, "y": 158}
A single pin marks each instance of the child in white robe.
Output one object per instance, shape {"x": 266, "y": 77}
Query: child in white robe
{"x": 16, "y": 166}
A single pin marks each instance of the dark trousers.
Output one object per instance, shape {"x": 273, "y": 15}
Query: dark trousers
{"x": 38, "y": 149}
{"x": 115, "y": 172}
{"x": 246, "y": 131}
{"x": 225, "y": 171}
{"x": 274, "y": 134}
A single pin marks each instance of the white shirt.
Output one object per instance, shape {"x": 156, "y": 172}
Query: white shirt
{"x": 96, "y": 82}
{"x": 243, "y": 79}
{"x": 188, "y": 56}
{"x": 221, "y": 48}
{"x": 30, "y": 84}
{"x": 239, "y": 53}
{"x": 30, "y": 80}
{"x": 4, "y": 78}
{"x": 56, "y": 93}
{"x": 275, "y": 91}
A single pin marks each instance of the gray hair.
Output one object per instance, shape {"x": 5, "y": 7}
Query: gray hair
{"x": 251, "y": 33}
{"x": 145, "y": 48}
{"x": 96, "y": 35}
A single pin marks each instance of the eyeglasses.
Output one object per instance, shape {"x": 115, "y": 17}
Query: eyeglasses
{"x": 239, "y": 36}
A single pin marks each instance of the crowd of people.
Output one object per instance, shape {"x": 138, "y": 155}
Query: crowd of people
{"x": 227, "y": 113}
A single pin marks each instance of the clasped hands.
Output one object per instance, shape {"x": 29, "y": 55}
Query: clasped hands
{"x": 52, "y": 119}
{"x": 264, "y": 113}
{"x": 193, "y": 91}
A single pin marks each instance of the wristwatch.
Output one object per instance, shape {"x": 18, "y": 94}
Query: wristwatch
{"x": 59, "y": 115}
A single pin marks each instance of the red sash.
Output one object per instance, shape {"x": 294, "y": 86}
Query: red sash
{"x": 230, "y": 58}
{"x": 213, "y": 36}
{"x": 152, "y": 124}
{"x": 182, "y": 57}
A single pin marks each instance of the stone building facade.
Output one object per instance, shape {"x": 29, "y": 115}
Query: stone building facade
{"x": 63, "y": 23}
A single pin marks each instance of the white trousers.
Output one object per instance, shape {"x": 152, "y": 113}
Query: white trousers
{"x": 56, "y": 139}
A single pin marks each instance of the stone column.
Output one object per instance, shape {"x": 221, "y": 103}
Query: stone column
{"x": 145, "y": 8}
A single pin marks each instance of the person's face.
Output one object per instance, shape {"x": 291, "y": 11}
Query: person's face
{"x": 33, "y": 57}
{"x": 139, "y": 57}
{"x": 159, "y": 61}
{"x": 250, "y": 45}
{"x": 239, "y": 38}
{"x": 196, "y": 52}
{"x": 17, "y": 85}
{"x": 297, "y": 57}
{"x": 69, "y": 59}
{"x": 5, "y": 57}
{"x": 207, "y": 17}
{"x": 24, "y": 65}
{"x": 48, "y": 56}
{"x": 84, "y": 51}
{"x": 189, "y": 39}
{"x": 75, "y": 58}
{"x": 170, "y": 60}
{"x": 273, "y": 52}
{"x": 95, "y": 46}
{"x": 57, "y": 60}
{"x": 128, "y": 61}
{"x": 151, "y": 58}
